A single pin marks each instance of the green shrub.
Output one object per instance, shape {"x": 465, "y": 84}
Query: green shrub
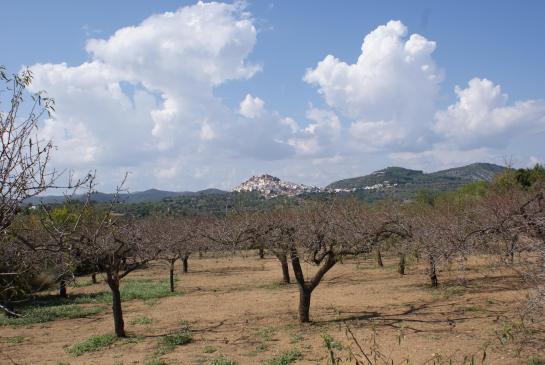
{"x": 93, "y": 343}
{"x": 169, "y": 342}
{"x": 285, "y": 358}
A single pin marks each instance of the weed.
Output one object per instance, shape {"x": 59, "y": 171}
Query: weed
{"x": 260, "y": 348}
{"x": 170, "y": 341}
{"x": 93, "y": 343}
{"x": 266, "y": 333}
{"x": 285, "y": 358}
{"x": 142, "y": 320}
{"x": 296, "y": 337}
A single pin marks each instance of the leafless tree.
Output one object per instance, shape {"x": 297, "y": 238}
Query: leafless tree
{"x": 324, "y": 233}
{"x": 177, "y": 238}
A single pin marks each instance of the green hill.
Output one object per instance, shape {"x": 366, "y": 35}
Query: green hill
{"x": 401, "y": 183}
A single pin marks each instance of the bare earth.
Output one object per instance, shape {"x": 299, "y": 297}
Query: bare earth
{"x": 231, "y": 302}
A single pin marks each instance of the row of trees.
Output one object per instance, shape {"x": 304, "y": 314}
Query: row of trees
{"x": 504, "y": 218}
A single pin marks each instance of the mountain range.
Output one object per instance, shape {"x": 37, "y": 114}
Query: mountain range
{"x": 397, "y": 182}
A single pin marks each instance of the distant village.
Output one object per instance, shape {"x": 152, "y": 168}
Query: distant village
{"x": 270, "y": 186}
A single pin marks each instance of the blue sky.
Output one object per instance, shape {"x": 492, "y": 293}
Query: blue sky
{"x": 195, "y": 134}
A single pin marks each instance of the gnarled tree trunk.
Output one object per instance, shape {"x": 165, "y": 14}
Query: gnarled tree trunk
{"x": 306, "y": 288}
{"x": 119, "y": 324}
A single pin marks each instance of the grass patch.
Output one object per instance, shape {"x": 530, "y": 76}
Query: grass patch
{"x": 296, "y": 337}
{"x": 92, "y": 344}
{"x": 536, "y": 360}
{"x": 266, "y": 333}
{"x": 13, "y": 340}
{"x": 260, "y": 348}
{"x": 222, "y": 360}
{"x": 41, "y": 314}
{"x": 285, "y": 358}
{"x": 169, "y": 342}
{"x": 147, "y": 290}
{"x": 142, "y": 320}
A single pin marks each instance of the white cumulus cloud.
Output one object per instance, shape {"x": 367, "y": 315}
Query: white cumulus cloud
{"x": 389, "y": 93}
{"x": 251, "y": 107}
{"x": 483, "y": 116}
{"x": 144, "y": 101}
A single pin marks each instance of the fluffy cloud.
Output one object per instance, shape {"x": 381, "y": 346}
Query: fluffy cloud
{"x": 144, "y": 101}
{"x": 251, "y": 107}
{"x": 389, "y": 92}
{"x": 483, "y": 117}
{"x": 388, "y": 99}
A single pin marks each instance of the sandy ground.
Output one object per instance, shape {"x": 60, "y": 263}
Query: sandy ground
{"x": 231, "y": 302}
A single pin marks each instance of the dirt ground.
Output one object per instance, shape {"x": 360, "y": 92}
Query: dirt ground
{"x": 234, "y": 306}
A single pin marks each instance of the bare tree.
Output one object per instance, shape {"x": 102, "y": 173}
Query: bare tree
{"x": 24, "y": 157}
{"x": 323, "y": 234}
{"x": 177, "y": 238}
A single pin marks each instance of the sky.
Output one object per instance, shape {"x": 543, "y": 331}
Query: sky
{"x": 188, "y": 95}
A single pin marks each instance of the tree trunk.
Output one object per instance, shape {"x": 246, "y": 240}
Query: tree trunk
{"x": 62, "y": 289}
{"x": 285, "y": 269}
{"x": 306, "y": 288}
{"x": 379, "y": 258}
{"x": 304, "y": 304}
{"x": 401, "y": 266}
{"x": 433, "y": 272}
{"x": 94, "y": 277}
{"x": 119, "y": 324}
{"x": 172, "y": 276}
{"x": 261, "y": 251}
{"x": 184, "y": 263}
